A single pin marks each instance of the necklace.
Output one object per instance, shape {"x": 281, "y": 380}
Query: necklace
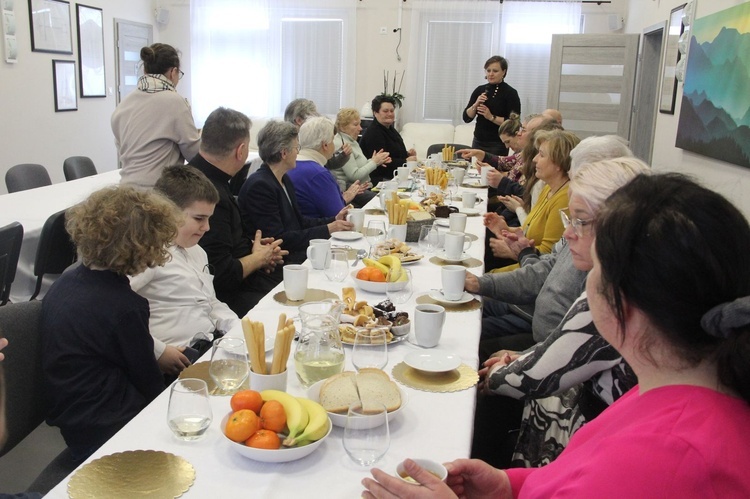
{"x": 552, "y": 193}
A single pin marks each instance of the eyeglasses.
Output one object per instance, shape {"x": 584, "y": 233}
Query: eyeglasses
{"x": 521, "y": 129}
{"x": 181, "y": 73}
{"x": 577, "y": 223}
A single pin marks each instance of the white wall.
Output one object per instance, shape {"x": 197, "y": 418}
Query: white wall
{"x": 730, "y": 180}
{"x": 30, "y": 129}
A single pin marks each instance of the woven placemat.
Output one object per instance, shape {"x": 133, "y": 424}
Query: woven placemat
{"x": 374, "y": 211}
{"x": 461, "y": 307}
{"x": 469, "y": 264}
{"x": 451, "y": 381}
{"x": 310, "y": 295}
{"x": 137, "y": 473}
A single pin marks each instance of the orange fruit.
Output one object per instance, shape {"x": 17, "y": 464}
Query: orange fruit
{"x": 377, "y": 276}
{"x": 264, "y": 439}
{"x": 371, "y": 274}
{"x": 364, "y": 274}
{"x": 242, "y": 425}
{"x": 246, "y": 399}
{"x": 272, "y": 416}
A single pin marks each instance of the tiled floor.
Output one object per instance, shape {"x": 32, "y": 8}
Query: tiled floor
{"x": 20, "y": 467}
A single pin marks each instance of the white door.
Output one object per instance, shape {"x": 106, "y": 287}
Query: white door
{"x": 591, "y": 82}
{"x": 130, "y": 37}
{"x": 647, "y": 93}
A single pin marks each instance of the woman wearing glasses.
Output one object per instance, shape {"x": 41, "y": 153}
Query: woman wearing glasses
{"x": 153, "y": 125}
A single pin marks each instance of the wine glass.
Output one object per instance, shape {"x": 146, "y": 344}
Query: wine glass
{"x": 189, "y": 413}
{"x": 451, "y": 189}
{"x": 337, "y": 265}
{"x": 366, "y": 434}
{"x": 427, "y": 241}
{"x": 229, "y": 364}
{"x": 398, "y": 286}
{"x": 375, "y": 231}
{"x": 370, "y": 349}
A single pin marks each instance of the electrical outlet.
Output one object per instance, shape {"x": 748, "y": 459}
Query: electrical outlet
{"x": 383, "y": 30}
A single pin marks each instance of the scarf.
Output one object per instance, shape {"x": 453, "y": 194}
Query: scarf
{"x": 152, "y": 83}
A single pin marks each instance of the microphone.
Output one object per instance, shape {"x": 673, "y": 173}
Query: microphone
{"x": 487, "y": 89}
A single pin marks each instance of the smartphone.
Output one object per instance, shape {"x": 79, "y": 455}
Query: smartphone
{"x": 192, "y": 354}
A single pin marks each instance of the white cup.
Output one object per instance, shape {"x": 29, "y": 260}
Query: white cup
{"x": 391, "y": 185}
{"x": 357, "y": 217}
{"x": 397, "y": 232}
{"x": 454, "y": 277}
{"x": 317, "y": 252}
{"x": 411, "y": 165}
{"x": 455, "y": 244}
{"x": 403, "y": 173}
{"x": 483, "y": 175}
{"x": 457, "y": 222}
{"x": 295, "y": 282}
{"x": 260, "y": 382}
{"x": 458, "y": 173}
{"x": 428, "y": 324}
{"x": 469, "y": 199}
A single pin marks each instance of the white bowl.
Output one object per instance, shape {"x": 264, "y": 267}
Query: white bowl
{"x": 401, "y": 330}
{"x": 283, "y": 455}
{"x": 313, "y": 393}
{"x": 371, "y": 286}
{"x": 432, "y": 466}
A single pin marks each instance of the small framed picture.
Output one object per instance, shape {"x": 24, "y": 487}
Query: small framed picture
{"x": 50, "y": 26}
{"x": 668, "y": 92}
{"x": 91, "y": 51}
{"x": 64, "y": 77}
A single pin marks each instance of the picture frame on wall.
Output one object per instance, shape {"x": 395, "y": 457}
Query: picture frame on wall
{"x": 90, "y": 21}
{"x": 668, "y": 92}
{"x": 64, "y": 78}
{"x": 50, "y": 26}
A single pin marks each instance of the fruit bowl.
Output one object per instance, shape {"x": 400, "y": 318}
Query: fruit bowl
{"x": 283, "y": 455}
{"x": 372, "y": 286}
{"x": 313, "y": 393}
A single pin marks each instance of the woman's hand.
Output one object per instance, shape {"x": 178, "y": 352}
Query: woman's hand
{"x": 516, "y": 241}
{"x": 511, "y": 202}
{"x": 386, "y": 485}
{"x": 346, "y": 149}
{"x": 412, "y": 154}
{"x": 471, "y": 153}
{"x": 477, "y": 479}
{"x": 353, "y": 191}
{"x": 485, "y": 111}
{"x": 500, "y": 249}
{"x": 495, "y": 223}
{"x": 381, "y": 157}
{"x": 480, "y": 100}
{"x": 494, "y": 177}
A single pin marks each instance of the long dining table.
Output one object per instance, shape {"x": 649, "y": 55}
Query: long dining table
{"x": 433, "y": 425}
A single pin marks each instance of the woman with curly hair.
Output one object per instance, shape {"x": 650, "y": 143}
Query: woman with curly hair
{"x": 97, "y": 353}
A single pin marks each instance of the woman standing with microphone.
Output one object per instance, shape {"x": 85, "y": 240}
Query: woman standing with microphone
{"x": 491, "y": 104}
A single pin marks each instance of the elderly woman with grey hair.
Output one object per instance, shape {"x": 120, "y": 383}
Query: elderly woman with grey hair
{"x": 268, "y": 200}
{"x": 317, "y": 190}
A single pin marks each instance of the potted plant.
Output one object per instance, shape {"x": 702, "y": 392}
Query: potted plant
{"x": 395, "y": 92}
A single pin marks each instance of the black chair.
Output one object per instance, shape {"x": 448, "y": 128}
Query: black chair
{"x": 439, "y": 148}
{"x": 26, "y": 176}
{"x": 78, "y": 167}
{"x": 56, "y": 251}
{"x": 11, "y": 237}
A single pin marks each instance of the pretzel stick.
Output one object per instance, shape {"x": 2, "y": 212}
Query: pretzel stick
{"x": 278, "y": 349}
{"x": 247, "y": 331}
{"x": 282, "y": 322}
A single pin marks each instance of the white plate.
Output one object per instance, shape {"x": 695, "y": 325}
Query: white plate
{"x": 468, "y": 211}
{"x": 283, "y": 455}
{"x": 443, "y": 222}
{"x": 433, "y": 362}
{"x": 474, "y": 183}
{"x": 313, "y": 393}
{"x": 412, "y": 262}
{"x": 438, "y": 296}
{"x": 347, "y": 235}
{"x": 464, "y": 257}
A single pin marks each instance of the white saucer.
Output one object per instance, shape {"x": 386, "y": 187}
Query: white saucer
{"x": 433, "y": 362}
{"x": 443, "y": 222}
{"x": 438, "y": 296}
{"x": 464, "y": 257}
{"x": 468, "y": 211}
{"x": 347, "y": 235}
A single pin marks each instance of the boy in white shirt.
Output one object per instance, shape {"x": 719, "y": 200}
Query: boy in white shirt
{"x": 184, "y": 309}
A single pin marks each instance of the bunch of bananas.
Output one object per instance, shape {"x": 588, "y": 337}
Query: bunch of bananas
{"x": 306, "y": 420}
{"x": 389, "y": 265}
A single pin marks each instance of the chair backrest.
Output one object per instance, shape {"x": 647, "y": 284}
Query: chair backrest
{"x": 78, "y": 167}
{"x": 56, "y": 250}
{"x": 11, "y": 237}
{"x": 439, "y": 148}
{"x": 26, "y": 176}
{"x": 25, "y": 401}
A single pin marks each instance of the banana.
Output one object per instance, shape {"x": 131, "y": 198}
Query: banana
{"x": 316, "y": 428}
{"x": 296, "y": 415}
{"x": 369, "y": 262}
{"x": 394, "y": 264}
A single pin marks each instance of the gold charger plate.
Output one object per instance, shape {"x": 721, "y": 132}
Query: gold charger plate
{"x": 462, "y": 307}
{"x": 470, "y": 263}
{"x": 136, "y": 473}
{"x": 310, "y": 295}
{"x": 451, "y": 381}
{"x": 200, "y": 371}
{"x": 374, "y": 211}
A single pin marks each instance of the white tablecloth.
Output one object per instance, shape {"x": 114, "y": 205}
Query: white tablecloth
{"x": 434, "y": 425}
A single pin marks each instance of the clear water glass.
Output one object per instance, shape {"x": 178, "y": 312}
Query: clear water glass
{"x": 375, "y": 231}
{"x": 229, "y": 364}
{"x": 398, "y": 288}
{"x": 365, "y": 444}
{"x": 337, "y": 265}
{"x": 189, "y": 413}
{"x": 427, "y": 241}
{"x": 370, "y": 349}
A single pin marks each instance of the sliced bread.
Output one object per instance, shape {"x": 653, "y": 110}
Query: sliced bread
{"x": 369, "y": 385}
{"x": 338, "y": 392}
{"x": 373, "y": 387}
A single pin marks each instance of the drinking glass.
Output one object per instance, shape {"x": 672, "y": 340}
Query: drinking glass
{"x": 370, "y": 349}
{"x": 366, "y": 444}
{"x": 337, "y": 265}
{"x": 189, "y": 413}
{"x": 398, "y": 290}
{"x": 451, "y": 189}
{"x": 229, "y": 364}
{"x": 427, "y": 240}
{"x": 375, "y": 231}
